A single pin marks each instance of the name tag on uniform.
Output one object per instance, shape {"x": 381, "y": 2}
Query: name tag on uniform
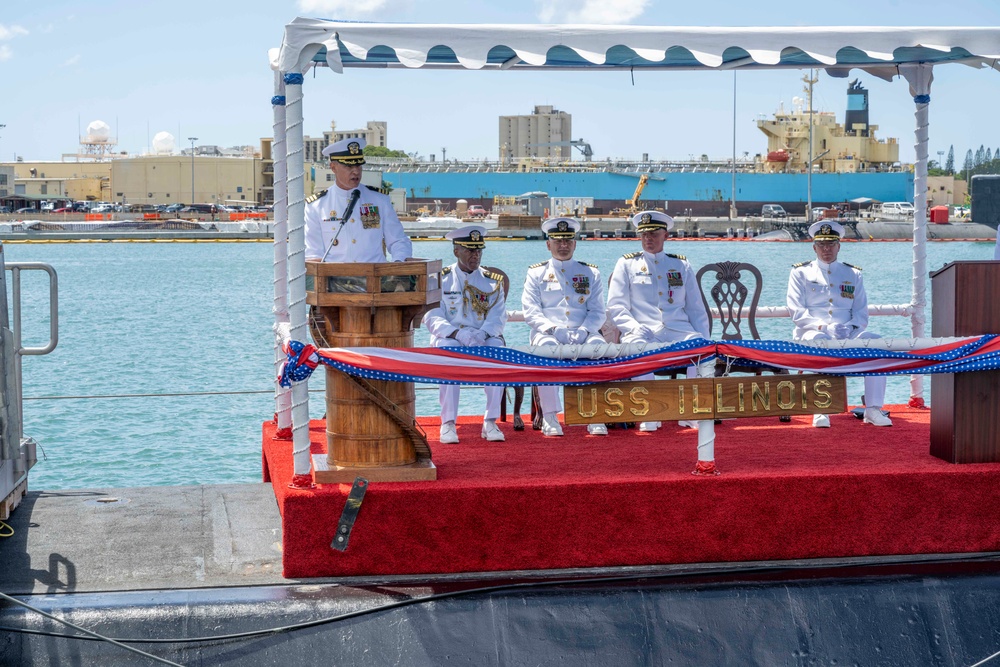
{"x": 642, "y": 278}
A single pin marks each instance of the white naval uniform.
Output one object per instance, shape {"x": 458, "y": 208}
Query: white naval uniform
{"x": 822, "y": 295}
{"x": 657, "y": 291}
{"x": 566, "y": 294}
{"x": 660, "y": 292}
{"x": 361, "y": 239}
{"x": 456, "y": 311}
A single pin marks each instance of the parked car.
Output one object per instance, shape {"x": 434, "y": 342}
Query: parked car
{"x": 773, "y": 211}
{"x": 26, "y": 209}
{"x": 4, "y": 209}
{"x": 476, "y": 211}
{"x": 64, "y": 209}
{"x": 173, "y": 208}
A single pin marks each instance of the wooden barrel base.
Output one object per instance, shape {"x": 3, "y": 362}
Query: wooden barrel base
{"x": 423, "y": 470}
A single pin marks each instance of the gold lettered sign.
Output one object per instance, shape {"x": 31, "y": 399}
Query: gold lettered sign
{"x": 705, "y": 398}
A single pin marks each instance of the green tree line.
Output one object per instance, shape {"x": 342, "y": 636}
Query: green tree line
{"x": 981, "y": 161}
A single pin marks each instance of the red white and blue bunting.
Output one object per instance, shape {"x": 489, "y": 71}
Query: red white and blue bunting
{"x": 511, "y": 367}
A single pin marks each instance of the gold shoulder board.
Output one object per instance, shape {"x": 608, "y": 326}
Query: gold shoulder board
{"x": 852, "y": 266}
{"x": 384, "y": 191}
{"x": 669, "y": 254}
{"x": 593, "y": 266}
{"x": 316, "y": 196}
{"x": 535, "y": 266}
{"x": 495, "y": 276}
{"x": 631, "y": 255}
{"x": 446, "y": 270}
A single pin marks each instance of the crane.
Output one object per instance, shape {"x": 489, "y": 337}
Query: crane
{"x": 579, "y": 144}
{"x": 633, "y": 203}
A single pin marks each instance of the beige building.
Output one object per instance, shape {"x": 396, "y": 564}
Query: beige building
{"x": 545, "y": 133}
{"x": 79, "y": 181}
{"x": 167, "y": 179}
{"x": 6, "y": 180}
{"x": 152, "y": 179}
{"x": 945, "y": 191}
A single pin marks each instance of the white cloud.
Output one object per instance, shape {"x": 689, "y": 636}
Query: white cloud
{"x": 590, "y": 11}
{"x": 342, "y": 8}
{"x": 5, "y": 52}
{"x": 72, "y": 60}
{"x": 11, "y": 32}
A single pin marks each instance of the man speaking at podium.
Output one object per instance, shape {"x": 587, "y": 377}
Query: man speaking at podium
{"x": 351, "y": 222}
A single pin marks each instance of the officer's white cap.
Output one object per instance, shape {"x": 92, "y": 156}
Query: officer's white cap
{"x": 826, "y": 230}
{"x": 561, "y": 228}
{"x": 470, "y": 236}
{"x": 347, "y": 151}
{"x": 649, "y": 220}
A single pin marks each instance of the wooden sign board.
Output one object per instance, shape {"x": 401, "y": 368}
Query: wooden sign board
{"x": 705, "y": 398}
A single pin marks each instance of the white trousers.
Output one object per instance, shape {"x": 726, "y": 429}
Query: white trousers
{"x": 874, "y": 385}
{"x": 449, "y": 393}
{"x": 706, "y": 427}
{"x": 548, "y": 395}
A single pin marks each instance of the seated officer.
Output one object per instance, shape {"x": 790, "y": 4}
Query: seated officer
{"x": 828, "y": 302}
{"x": 350, "y": 222}
{"x": 653, "y": 296}
{"x": 472, "y": 312}
{"x": 563, "y": 302}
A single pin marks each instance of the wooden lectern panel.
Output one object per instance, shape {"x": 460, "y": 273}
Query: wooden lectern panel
{"x": 965, "y": 426}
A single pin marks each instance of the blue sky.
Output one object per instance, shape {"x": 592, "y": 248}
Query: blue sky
{"x": 200, "y": 69}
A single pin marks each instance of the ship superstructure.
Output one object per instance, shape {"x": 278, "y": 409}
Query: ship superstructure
{"x": 841, "y": 148}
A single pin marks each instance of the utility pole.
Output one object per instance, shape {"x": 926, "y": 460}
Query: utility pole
{"x": 192, "y": 140}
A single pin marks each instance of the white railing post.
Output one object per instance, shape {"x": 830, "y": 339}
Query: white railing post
{"x": 919, "y": 77}
{"x": 282, "y": 395}
{"x": 297, "y": 267}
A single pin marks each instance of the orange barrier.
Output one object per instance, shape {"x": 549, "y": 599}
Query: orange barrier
{"x": 150, "y": 216}
{"x": 92, "y": 217}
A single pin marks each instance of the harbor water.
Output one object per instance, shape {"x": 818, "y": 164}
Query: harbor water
{"x": 191, "y": 323}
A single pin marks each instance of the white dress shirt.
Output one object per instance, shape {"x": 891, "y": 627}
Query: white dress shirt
{"x": 821, "y": 295}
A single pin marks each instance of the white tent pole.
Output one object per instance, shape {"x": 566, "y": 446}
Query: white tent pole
{"x": 297, "y": 269}
{"x": 919, "y": 77}
{"x": 282, "y": 395}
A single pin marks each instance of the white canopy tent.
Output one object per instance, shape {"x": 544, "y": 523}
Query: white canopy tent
{"x": 885, "y": 52}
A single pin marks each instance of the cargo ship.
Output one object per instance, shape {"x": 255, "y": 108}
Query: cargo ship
{"x": 849, "y": 161}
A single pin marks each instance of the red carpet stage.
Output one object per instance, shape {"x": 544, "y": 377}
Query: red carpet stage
{"x": 787, "y": 491}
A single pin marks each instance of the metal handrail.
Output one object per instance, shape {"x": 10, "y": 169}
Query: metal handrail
{"x": 15, "y": 268}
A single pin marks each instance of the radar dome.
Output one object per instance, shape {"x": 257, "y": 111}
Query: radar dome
{"x": 163, "y": 143}
{"x": 98, "y": 132}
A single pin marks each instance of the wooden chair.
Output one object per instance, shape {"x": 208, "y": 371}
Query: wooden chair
{"x": 729, "y": 295}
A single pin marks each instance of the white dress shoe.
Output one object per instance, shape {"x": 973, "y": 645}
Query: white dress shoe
{"x": 821, "y": 421}
{"x": 449, "y": 436}
{"x": 597, "y": 429}
{"x": 875, "y": 417}
{"x": 550, "y": 424}
{"x": 688, "y": 424}
{"x": 491, "y": 431}
{"x": 648, "y": 427}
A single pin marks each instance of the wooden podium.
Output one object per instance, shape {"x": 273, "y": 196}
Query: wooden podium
{"x": 965, "y": 425}
{"x": 370, "y": 427}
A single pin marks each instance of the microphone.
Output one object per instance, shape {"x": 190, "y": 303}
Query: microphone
{"x": 355, "y": 196}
